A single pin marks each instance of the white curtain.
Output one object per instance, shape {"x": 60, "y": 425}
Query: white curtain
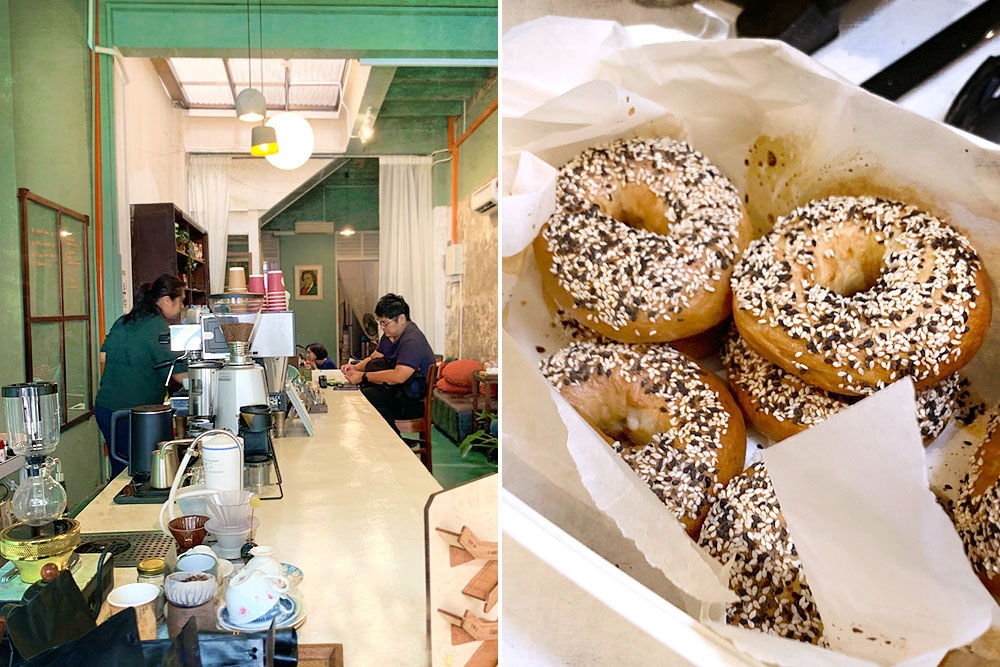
{"x": 360, "y": 282}
{"x": 208, "y": 201}
{"x": 406, "y": 236}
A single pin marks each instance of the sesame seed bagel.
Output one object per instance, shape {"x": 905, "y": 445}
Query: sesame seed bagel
{"x": 779, "y": 404}
{"x": 643, "y": 241}
{"x": 976, "y": 512}
{"x": 698, "y": 346}
{"x": 853, "y": 293}
{"x": 745, "y": 527}
{"x": 671, "y": 420}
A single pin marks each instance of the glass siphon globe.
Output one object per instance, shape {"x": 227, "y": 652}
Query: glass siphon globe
{"x": 39, "y": 500}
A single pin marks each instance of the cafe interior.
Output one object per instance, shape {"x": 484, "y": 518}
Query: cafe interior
{"x": 370, "y": 167}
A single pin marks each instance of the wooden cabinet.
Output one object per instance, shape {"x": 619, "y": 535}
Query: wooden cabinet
{"x": 165, "y": 240}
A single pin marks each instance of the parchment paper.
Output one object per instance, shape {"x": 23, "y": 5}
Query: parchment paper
{"x": 888, "y": 570}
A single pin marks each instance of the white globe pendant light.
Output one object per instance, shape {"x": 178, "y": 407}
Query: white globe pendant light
{"x": 295, "y": 140}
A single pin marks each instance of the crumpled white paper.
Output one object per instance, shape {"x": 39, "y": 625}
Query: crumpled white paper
{"x": 785, "y": 131}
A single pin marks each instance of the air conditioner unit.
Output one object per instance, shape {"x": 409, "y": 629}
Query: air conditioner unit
{"x": 484, "y": 198}
{"x": 313, "y": 227}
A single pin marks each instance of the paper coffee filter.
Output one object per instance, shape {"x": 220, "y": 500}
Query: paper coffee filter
{"x": 784, "y": 130}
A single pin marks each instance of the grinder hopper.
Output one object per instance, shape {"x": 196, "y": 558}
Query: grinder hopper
{"x": 238, "y": 316}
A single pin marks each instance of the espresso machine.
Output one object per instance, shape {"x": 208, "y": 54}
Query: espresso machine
{"x": 241, "y": 362}
{"x": 241, "y": 380}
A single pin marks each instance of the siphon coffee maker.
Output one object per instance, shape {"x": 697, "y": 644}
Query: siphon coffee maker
{"x": 41, "y": 535}
{"x": 241, "y": 380}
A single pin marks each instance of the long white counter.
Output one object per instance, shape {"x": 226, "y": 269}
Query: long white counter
{"x": 351, "y": 519}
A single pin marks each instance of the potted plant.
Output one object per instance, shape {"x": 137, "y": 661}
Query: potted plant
{"x": 484, "y": 438}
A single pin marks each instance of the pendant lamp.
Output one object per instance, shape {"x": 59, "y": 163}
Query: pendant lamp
{"x": 250, "y": 103}
{"x": 296, "y": 138}
{"x": 263, "y": 141}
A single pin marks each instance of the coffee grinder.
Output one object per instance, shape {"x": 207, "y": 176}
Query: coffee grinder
{"x": 41, "y": 535}
{"x": 241, "y": 380}
{"x": 261, "y": 473}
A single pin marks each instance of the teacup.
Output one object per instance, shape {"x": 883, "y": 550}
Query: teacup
{"x": 189, "y": 589}
{"x": 198, "y": 561}
{"x": 252, "y": 593}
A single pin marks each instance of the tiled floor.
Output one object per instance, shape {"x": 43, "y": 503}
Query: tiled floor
{"x": 450, "y": 469}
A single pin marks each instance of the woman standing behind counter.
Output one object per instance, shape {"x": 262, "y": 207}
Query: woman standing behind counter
{"x": 129, "y": 353}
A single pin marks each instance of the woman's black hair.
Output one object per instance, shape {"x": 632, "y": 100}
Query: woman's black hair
{"x": 392, "y": 306}
{"x": 318, "y": 350}
{"x": 149, "y": 293}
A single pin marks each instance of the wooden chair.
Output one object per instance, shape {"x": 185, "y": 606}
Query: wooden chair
{"x": 422, "y": 425}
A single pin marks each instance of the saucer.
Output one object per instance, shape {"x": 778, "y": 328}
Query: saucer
{"x": 292, "y": 612}
{"x": 292, "y": 573}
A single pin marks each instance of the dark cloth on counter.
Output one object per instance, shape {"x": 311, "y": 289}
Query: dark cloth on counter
{"x": 129, "y": 380}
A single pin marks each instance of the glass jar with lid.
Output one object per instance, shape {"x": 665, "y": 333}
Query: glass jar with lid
{"x": 153, "y": 571}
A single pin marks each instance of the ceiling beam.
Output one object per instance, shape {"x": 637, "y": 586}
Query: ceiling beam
{"x": 340, "y": 29}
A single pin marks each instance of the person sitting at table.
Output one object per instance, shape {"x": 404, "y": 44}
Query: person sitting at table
{"x": 318, "y": 358}
{"x": 394, "y": 377}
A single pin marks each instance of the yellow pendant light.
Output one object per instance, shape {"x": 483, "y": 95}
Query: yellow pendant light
{"x": 263, "y": 141}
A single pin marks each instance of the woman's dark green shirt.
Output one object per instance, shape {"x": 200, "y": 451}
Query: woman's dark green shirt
{"x": 132, "y": 348}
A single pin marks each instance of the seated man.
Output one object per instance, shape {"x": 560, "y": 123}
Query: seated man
{"x": 318, "y": 358}
{"x": 394, "y": 377}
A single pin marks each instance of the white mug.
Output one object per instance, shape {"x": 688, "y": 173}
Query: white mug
{"x": 252, "y": 593}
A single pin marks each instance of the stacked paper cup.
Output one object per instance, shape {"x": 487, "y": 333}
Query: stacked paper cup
{"x": 257, "y": 284}
{"x": 275, "y": 300}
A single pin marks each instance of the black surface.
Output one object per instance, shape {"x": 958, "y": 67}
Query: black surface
{"x": 976, "y": 108}
{"x": 804, "y": 24}
{"x": 138, "y": 492}
{"x": 943, "y": 48}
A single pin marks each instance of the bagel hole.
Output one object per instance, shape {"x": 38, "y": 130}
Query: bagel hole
{"x": 638, "y": 207}
{"x": 856, "y": 264}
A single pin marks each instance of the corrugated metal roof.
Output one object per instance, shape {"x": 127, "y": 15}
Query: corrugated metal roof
{"x": 287, "y": 84}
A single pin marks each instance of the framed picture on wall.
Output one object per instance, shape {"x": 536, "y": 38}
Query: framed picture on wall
{"x": 308, "y": 282}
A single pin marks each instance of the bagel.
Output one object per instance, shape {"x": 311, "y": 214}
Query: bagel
{"x": 975, "y": 510}
{"x": 779, "y": 404}
{"x": 698, "y": 346}
{"x": 643, "y": 241}
{"x": 673, "y": 422}
{"x": 851, "y": 294}
{"x": 745, "y": 529}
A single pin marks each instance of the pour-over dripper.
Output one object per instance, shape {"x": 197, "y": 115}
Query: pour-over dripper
{"x": 238, "y": 316}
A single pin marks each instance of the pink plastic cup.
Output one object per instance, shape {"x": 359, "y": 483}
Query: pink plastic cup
{"x": 256, "y": 285}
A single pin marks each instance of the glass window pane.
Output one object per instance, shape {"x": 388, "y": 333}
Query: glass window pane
{"x": 73, "y": 237}
{"x": 46, "y": 350}
{"x": 43, "y": 260}
{"x": 77, "y": 370}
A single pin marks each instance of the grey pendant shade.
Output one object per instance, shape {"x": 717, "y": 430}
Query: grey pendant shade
{"x": 263, "y": 141}
{"x": 251, "y": 105}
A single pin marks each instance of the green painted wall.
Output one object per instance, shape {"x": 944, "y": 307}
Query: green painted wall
{"x": 315, "y": 321}
{"x": 478, "y": 155}
{"x": 12, "y": 361}
{"x": 49, "y": 94}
